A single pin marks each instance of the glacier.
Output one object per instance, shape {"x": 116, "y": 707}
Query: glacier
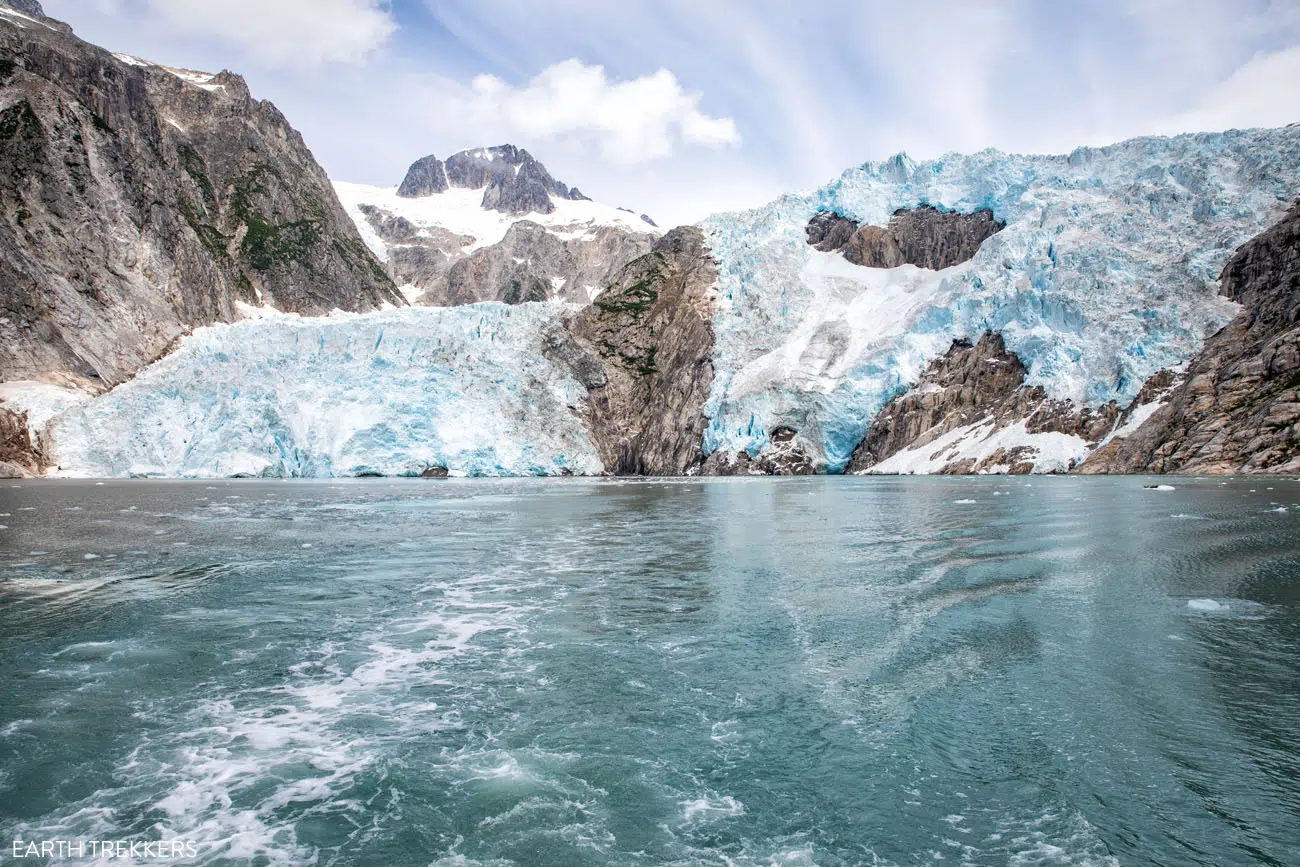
{"x": 1106, "y": 272}
{"x": 389, "y": 393}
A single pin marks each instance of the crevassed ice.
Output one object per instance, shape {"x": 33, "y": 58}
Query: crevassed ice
{"x": 1106, "y": 272}
{"x": 468, "y": 388}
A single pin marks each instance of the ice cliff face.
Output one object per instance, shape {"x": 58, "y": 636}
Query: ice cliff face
{"x": 1106, "y": 272}
{"x": 395, "y": 393}
{"x": 491, "y": 224}
{"x": 138, "y": 201}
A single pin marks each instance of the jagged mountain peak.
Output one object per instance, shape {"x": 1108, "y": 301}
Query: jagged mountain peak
{"x": 27, "y": 7}
{"x": 512, "y": 180}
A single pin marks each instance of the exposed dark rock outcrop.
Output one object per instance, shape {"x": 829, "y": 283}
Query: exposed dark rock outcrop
{"x": 20, "y": 454}
{"x": 28, "y": 7}
{"x": 1237, "y": 407}
{"x": 137, "y": 202}
{"x": 511, "y": 180}
{"x": 425, "y": 177}
{"x": 643, "y": 350}
{"x": 973, "y": 383}
{"x": 828, "y": 231}
{"x": 922, "y": 236}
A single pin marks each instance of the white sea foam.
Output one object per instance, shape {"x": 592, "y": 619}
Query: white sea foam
{"x": 712, "y": 807}
{"x": 236, "y": 773}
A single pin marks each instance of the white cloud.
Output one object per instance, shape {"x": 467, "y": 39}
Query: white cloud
{"x": 283, "y": 33}
{"x": 627, "y": 121}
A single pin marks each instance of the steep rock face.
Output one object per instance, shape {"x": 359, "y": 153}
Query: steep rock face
{"x": 642, "y": 349}
{"x": 511, "y": 180}
{"x": 28, "y": 7}
{"x": 534, "y": 264}
{"x": 137, "y": 202}
{"x": 1237, "y": 408}
{"x": 425, "y": 177}
{"x": 418, "y": 256}
{"x": 923, "y": 236}
{"x": 20, "y": 454}
{"x": 971, "y": 413}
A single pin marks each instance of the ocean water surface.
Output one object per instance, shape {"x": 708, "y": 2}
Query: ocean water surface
{"x": 823, "y": 671}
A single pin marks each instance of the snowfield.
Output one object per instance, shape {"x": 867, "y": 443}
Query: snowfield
{"x": 461, "y": 212}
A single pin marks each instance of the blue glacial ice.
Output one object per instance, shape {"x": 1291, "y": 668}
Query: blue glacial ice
{"x": 468, "y": 388}
{"x": 1106, "y": 272}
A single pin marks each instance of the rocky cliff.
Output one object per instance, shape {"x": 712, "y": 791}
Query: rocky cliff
{"x": 923, "y": 236}
{"x": 972, "y": 413}
{"x": 643, "y": 351}
{"x": 1237, "y": 407}
{"x": 139, "y": 201}
{"x": 21, "y": 453}
{"x": 532, "y": 263}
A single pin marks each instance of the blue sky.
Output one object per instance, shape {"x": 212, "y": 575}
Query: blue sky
{"x": 684, "y": 107}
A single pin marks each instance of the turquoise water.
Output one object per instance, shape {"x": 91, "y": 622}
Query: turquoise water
{"x": 822, "y": 671}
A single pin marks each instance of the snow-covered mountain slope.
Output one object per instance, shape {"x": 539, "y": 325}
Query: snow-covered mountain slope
{"x": 390, "y": 393}
{"x": 441, "y": 232}
{"x": 460, "y": 212}
{"x": 1105, "y": 272}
